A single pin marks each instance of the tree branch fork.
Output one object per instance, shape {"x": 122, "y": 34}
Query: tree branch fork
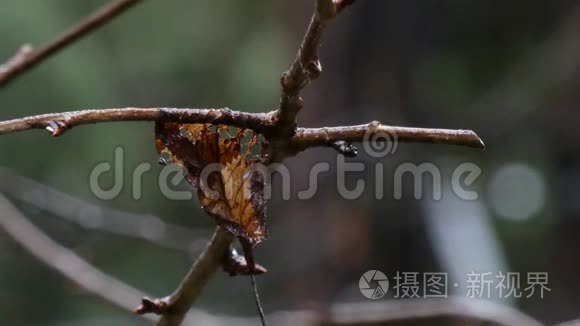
{"x": 265, "y": 123}
{"x": 279, "y": 127}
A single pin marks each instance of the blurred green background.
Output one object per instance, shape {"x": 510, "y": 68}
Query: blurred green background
{"x": 508, "y": 70}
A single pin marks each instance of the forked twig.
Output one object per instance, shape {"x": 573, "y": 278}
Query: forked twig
{"x": 121, "y": 295}
{"x": 279, "y": 127}
{"x": 306, "y": 67}
{"x": 58, "y": 123}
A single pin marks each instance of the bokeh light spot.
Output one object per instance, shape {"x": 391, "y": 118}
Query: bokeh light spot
{"x": 517, "y": 191}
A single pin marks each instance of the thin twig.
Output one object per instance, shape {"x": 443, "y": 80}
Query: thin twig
{"x": 58, "y": 123}
{"x": 96, "y": 218}
{"x": 77, "y": 270}
{"x": 257, "y": 299}
{"x": 306, "y": 67}
{"x": 409, "y": 311}
{"x": 279, "y": 126}
{"x": 573, "y": 322}
{"x": 174, "y": 307}
{"x": 119, "y": 294}
{"x": 24, "y": 60}
{"x": 451, "y": 310}
{"x": 65, "y": 261}
{"x": 375, "y": 132}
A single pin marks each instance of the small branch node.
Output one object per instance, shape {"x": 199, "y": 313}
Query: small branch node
{"x": 329, "y": 9}
{"x": 345, "y": 148}
{"x": 235, "y": 264}
{"x": 21, "y": 55}
{"x": 56, "y": 128}
{"x": 313, "y": 69}
{"x": 153, "y": 306}
{"x": 342, "y": 4}
{"x": 373, "y": 125}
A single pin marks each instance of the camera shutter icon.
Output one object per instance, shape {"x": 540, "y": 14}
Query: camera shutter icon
{"x": 373, "y": 284}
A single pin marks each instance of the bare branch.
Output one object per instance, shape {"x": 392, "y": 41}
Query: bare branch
{"x": 94, "y": 217}
{"x": 452, "y": 310}
{"x": 26, "y": 58}
{"x": 19, "y": 58}
{"x": 113, "y": 291}
{"x": 279, "y": 126}
{"x": 409, "y": 311}
{"x": 65, "y": 261}
{"x": 574, "y": 322}
{"x": 174, "y": 307}
{"x": 58, "y": 123}
{"x": 73, "y": 267}
{"x": 374, "y": 131}
{"x": 306, "y": 66}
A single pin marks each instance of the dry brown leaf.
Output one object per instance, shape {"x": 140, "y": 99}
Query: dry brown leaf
{"x": 233, "y": 193}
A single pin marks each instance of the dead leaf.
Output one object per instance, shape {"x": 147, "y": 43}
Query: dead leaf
{"x": 219, "y": 162}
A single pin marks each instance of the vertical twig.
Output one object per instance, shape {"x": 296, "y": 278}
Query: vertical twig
{"x": 305, "y": 68}
{"x": 257, "y": 299}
